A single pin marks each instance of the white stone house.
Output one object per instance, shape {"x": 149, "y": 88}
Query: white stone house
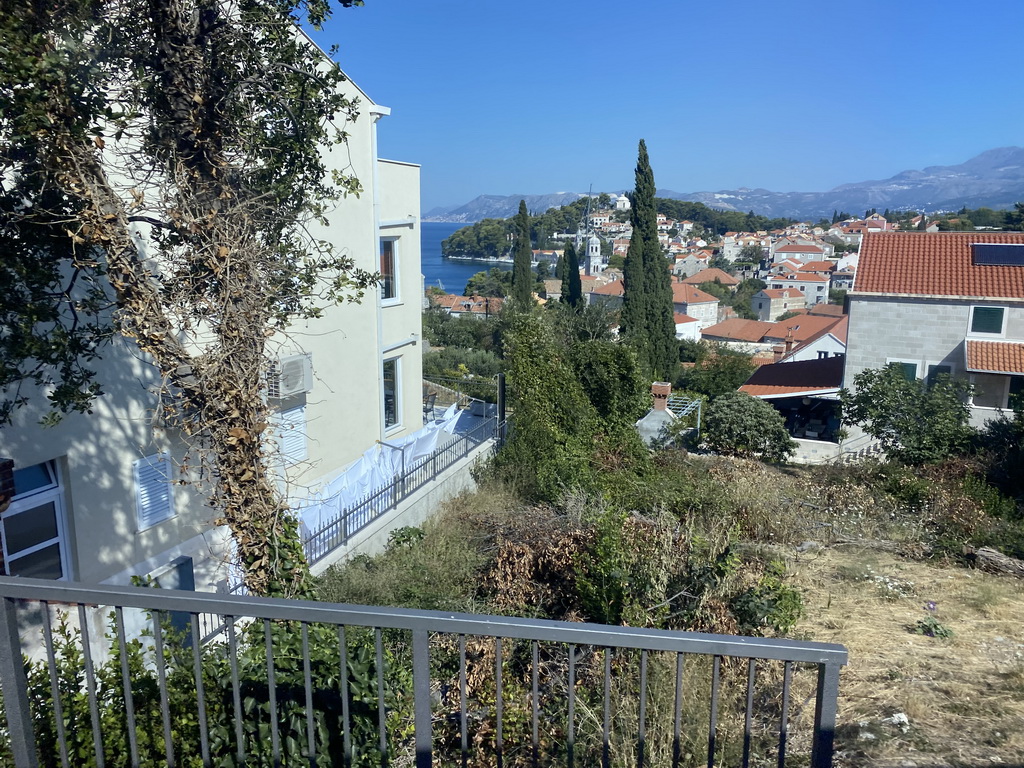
{"x": 770, "y": 304}
{"x": 690, "y": 300}
{"x": 97, "y": 497}
{"x": 944, "y": 302}
{"x": 813, "y": 287}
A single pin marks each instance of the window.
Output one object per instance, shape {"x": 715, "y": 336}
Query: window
{"x": 934, "y": 371}
{"x": 1016, "y": 391}
{"x": 987, "y": 320}
{"x": 392, "y": 392}
{"x": 989, "y": 390}
{"x": 388, "y": 272}
{"x": 290, "y": 429}
{"x": 909, "y": 369}
{"x": 154, "y": 499}
{"x": 34, "y": 543}
{"x": 822, "y": 355}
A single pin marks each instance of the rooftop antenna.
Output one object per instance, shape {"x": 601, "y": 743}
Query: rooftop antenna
{"x": 583, "y": 227}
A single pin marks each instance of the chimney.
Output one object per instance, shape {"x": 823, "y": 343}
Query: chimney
{"x": 790, "y": 343}
{"x": 660, "y": 390}
{"x": 778, "y": 352}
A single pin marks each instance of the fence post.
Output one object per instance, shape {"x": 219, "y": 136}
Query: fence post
{"x": 15, "y": 690}
{"x": 421, "y": 697}
{"x": 826, "y": 706}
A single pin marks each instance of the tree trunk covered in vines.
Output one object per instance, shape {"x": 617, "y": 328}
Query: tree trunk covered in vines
{"x": 171, "y": 155}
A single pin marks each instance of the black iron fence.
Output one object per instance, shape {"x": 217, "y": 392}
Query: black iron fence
{"x": 307, "y": 683}
{"x": 417, "y": 473}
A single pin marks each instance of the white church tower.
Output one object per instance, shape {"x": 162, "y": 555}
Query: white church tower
{"x": 595, "y": 264}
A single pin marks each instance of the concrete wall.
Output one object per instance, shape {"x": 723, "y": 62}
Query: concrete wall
{"x": 925, "y": 331}
{"x": 411, "y": 511}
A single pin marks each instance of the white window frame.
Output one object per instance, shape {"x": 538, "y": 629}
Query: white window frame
{"x": 1004, "y": 396}
{"x": 929, "y": 364}
{"x": 397, "y": 425}
{"x": 52, "y": 492}
{"x": 396, "y": 284}
{"x": 144, "y": 522}
{"x": 983, "y": 334}
{"x": 905, "y": 361}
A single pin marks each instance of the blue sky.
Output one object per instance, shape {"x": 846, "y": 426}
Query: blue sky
{"x": 539, "y": 96}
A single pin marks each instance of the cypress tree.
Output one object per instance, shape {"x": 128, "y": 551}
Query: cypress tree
{"x": 560, "y": 268}
{"x": 522, "y": 274}
{"x": 647, "y": 318}
{"x": 572, "y": 286}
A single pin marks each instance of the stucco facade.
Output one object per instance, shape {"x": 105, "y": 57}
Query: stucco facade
{"x": 85, "y": 472}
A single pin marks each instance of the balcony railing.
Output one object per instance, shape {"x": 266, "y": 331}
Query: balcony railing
{"x": 307, "y": 683}
{"x": 319, "y": 543}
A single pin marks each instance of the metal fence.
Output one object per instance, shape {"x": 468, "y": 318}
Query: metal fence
{"x": 318, "y": 544}
{"x": 307, "y": 683}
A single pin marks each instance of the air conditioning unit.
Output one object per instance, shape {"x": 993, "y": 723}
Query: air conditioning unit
{"x": 290, "y": 376}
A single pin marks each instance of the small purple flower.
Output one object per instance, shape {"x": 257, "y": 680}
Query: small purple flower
{"x": 931, "y": 605}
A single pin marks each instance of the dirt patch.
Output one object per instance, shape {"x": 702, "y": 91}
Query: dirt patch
{"x": 909, "y": 698}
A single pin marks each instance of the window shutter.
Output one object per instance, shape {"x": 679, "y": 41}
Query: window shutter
{"x": 154, "y": 500}
{"x": 290, "y": 426}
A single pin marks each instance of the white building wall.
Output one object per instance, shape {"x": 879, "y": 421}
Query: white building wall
{"x": 343, "y": 411}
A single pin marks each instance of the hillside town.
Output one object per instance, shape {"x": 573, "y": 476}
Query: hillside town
{"x": 667, "y": 492}
{"x": 805, "y": 285}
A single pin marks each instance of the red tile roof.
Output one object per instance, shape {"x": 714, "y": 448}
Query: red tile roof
{"x": 795, "y": 248}
{"x": 688, "y": 294}
{"x": 936, "y": 264}
{"x": 680, "y": 318}
{"x": 801, "y": 328}
{"x": 738, "y": 329}
{"x": 712, "y": 275}
{"x": 818, "y": 266}
{"x": 995, "y": 356}
{"x": 473, "y": 304}
{"x": 611, "y": 289}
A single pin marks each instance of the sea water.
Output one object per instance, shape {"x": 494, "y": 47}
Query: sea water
{"x": 452, "y": 276}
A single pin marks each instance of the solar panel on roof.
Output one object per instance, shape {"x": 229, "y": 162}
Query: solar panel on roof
{"x": 997, "y": 255}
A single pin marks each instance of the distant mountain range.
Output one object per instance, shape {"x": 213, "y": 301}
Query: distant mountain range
{"x": 499, "y": 207}
{"x": 993, "y": 179}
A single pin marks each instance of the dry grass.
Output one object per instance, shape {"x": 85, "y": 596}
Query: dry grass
{"x": 964, "y": 696}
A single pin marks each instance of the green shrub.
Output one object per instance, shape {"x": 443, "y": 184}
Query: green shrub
{"x": 250, "y": 657}
{"x": 772, "y": 603}
{"x": 740, "y": 425}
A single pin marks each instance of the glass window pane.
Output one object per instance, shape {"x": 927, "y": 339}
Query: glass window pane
{"x": 988, "y": 390}
{"x": 390, "y": 393}
{"x": 31, "y": 527}
{"x": 987, "y": 320}
{"x": 44, "y": 564}
{"x": 28, "y": 479}
{"x": 1016, "y": 399}
{"x": 909, "y": 370}
{"x": 934, "y": 371}
{"x": 387, "y": 269}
